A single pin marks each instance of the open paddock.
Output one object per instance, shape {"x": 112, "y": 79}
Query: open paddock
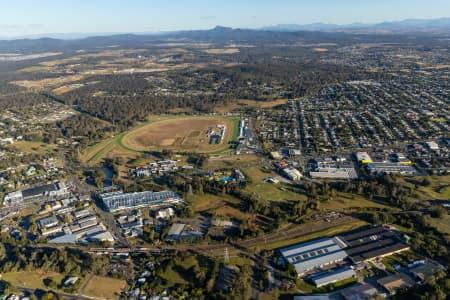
{"x": 48, "y": 82}
{"x": 31, "y": 279}
{"x": 243, "y": 103}
{"x": 103, "y": 288}
{"x": 320, "y": 49}
{"x": 222, "y": 51}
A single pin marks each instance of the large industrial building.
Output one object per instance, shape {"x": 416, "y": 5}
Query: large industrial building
{"x": 335, "y": 168}
{"x": 391, "y": 167}
{"x": 119, "y": 200}
{"x": 371, "y": 242}
{"x": 314, "y": 254}
{"x": 333, "y": 276}
{"x": 57, "y": 189}
{"x": 363, "y": 244}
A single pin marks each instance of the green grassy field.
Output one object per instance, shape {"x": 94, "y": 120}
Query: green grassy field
{"x": 230, "y": 161}
{"x": 219, "y": 205}
{"x": 31, "y": 279}
{"x": 439, "y": 187}
{"x": 441, "y": 224}
{"x": 269, "y": 191}
{"x": 103, "y": 287}
{"x": 344, "y": 201}
{"x": 175, "y": 275}
{"x": 327, "y": 232}
{"x": 307, "y": 287}
{"x": 33, "y": 147}
{"x": 97, "y": 152}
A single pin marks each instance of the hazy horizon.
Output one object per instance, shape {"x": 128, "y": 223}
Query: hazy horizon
{"x": 28, "y": 18}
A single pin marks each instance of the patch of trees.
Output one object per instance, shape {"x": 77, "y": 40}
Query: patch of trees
{"x": 435, "y": 287}
{"x": 15, "y": 256}
{"x": 386, "y": 188}
{"x": 199, "y": 275}
{"x": 20, "y": 101}
{"x": 84, "y": 126}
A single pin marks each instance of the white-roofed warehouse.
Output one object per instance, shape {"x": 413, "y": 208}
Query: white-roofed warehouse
{"x": 334, "y": 276}
{"x": 314, "y": 254}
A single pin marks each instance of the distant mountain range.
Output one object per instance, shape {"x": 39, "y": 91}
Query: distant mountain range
{"x": 408, "y": 25}
{"x": 386, "y": 32}
{"x": 395, "y": 26}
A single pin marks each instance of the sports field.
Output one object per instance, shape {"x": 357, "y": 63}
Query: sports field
{"x": 190, "y": 134}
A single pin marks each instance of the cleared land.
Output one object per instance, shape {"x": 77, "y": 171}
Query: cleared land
{"x": 232, "y": 161}
{"x": 65, "y": 89}
{"x": 222, "y": 51}
{"x": 320, "y": 49}
{"x": 269, "y": 191}
{"x": 224, "y": 206}
{"x": 439, "y": 187}
{"x": 31, "y": 279}
{"x": 103, "y": 287}
{"x": 241, "y": 103}
{"x": 312, "y": 231}
{"x": 441, "y": 224}
{"x": 33, "y": 147}
{"x": 47, "y": 82}
{"x": 191, "y": 134}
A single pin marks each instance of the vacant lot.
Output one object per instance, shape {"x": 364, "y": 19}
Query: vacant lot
{"x": 231, "y": 161}
{"x": 65, "y": 89}
{"x": 241, "y": 103}
{"x": 225, "y": 206}
{"x": 320, "y": 49}
{"x": 31, "y": 279}
{"x": 438, "y": 188}
{"x": 192, "y": 134}
{"x": 47, "y": 82}
{"x": 33, "y": 147}
{"x": 222, "y": 51}
{"x": 103, "y": 287}
{"x": 441, "y": 224}
{"x": 269, "y": 191}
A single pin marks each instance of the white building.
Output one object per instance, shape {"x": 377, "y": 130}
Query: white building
{"x": 433, "y": 146}
{"x": 314, "y": 254}
{"x": 292, "y": 173}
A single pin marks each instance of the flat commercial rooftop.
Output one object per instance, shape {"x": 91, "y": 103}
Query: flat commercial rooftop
{"x": 369, "y": 242}
{"x": 313, "y": 254}
{"x": 39, "y": 190}
{"x": 334, "y": 276}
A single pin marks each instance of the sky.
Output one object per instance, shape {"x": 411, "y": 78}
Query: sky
{"x": 29, "y": 17}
